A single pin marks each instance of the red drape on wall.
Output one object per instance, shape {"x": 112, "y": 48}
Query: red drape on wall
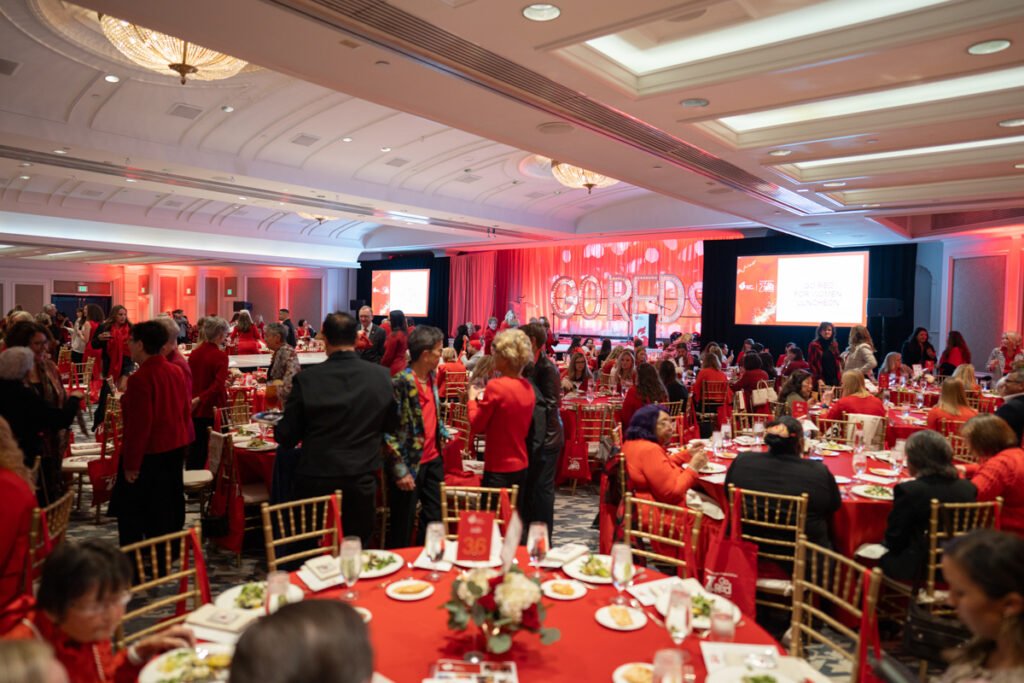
{"x": 491, "y": 283}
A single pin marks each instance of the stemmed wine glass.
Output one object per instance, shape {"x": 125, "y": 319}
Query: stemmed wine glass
{"x": 759, "y": 431}
{"x": 537, "y": 545}
{"x": 622, "y": 571}
{"x": 434, "y": 548}
{"x": 679, "y": 615}
{"x": 351, "y": 559}
{"x": 860, "y": 461}
{"x": 920, "y": 400}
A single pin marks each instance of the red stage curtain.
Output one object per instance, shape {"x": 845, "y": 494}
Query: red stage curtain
{"x": 472, "y": 289}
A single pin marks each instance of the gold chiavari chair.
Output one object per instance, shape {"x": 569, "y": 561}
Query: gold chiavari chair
{"x": 64, "y": 356}
{"x": 674, "y": 408}
{"x": 458, "y": 499}
{"x": 961, "y": 452}
{"x": 775, "y": 522}
{"x": 234, "y": 415}
{"x": 300, "y": 524}
{"x": 167, "y": 582}
{"x": 651, "y": 527}
{"x": 947, "y": 521}
{"x": 713, "y": 394}
{"x": 48, "y": 524}
{"x": 458, "y": 419}
{"x": 593, "y": 423}
{"x": 743, "y": 423}
{"x": 454, "y": 385}
{"x": 974, "y": 399}
{"x": 80, "y": 379}
{"x": 950, "y": 427}
{"x": 839, "y": 431}
{"x": 826, "y": 588}
{"x": 606, "y": 380}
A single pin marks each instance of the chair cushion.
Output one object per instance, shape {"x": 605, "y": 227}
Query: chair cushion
{"x": 86, "y": 448}
{"x": 77, "y": 464}
{"x": 195, "y": 478}
{"x": 255, "y": 493}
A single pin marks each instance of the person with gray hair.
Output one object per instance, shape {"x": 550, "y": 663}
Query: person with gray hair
{"x": 209, "y": 365}
{"x": 1012, "y": 411}
{"x": 930, "y": 461}
{"x": 285, "y": 362}
{"x": 28, "y": 414}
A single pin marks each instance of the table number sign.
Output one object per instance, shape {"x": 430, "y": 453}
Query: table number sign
{"x": 799, "y": 409}
{"x": 883, "y": 381}
{"x": 475, "y": 533}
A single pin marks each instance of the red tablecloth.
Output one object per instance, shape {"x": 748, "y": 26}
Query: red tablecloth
{"x": 408, "y": 637}
{"x": 255, "y": 466}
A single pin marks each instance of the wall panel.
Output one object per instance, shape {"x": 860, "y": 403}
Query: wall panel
{"x": 168, "y": 293}
{"x": 265, "y": 295}
{"x": 305, "y": 300}
{"x": 29, "y": 296}
{"x": 977, "y": 302}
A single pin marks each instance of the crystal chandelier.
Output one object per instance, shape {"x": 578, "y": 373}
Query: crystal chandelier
{"x": 576, "y": 177}
{"x": 160, "y": 52}
{"x": 319, "y": 218}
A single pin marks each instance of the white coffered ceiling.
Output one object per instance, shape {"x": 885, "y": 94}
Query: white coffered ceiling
{"x": 414, "y": 124}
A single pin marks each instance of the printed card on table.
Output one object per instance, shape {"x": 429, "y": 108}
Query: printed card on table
{"x": 475, "y": 532}
{"x": 799, "y": 409}
{"x": 883, "y": 381}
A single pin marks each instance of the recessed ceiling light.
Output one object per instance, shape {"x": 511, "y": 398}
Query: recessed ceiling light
{"x": 921, "y": 93}
{"x": 243, "y": 199}
{"x": 60, "y": 151}
{"x": 385, "y": 149}
{"x": 989, "y": 47}
{"x": 834, "y": 183}
{"x": 111, "y": 78}
{"x": 541, "y": 11}
{"x": 1018, "y": 165}
{"x": 227, "y": 109}
{"x": 25, "y": 177}
{"x": 780, "y": 152}
{"x": 937, "y": 149}
{"x": 695, "y": 102}
{"x": 1011, "y": 123}
{"x": 803, "y": 189}
{"x": 24, "y": 164}
{"x": 130, "y": 180}
{"x": 346, "y": 139}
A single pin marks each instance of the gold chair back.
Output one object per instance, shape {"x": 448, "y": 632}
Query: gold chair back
{"x": 947, "y": 521}
{"x": 57, "y": 515}
{"x": 961, "y": 452}
{"x": 64, "y": 356}
{"x": 593, "y": 421}
{"x": 303, "y": 522}
{"x": 712, "y": 395}
{"x": 458, "y": 418}
{"x": 651, "y": 527}
{"x": 606, "y": 380}
{"x": 454, "y": 385}
{"x": 235, "y": 415}
{"x": 829, "y": 593}
{"x": 974, "y": 399}
{"x": 458, "y": 499}
{"x": 743, "y": 423}
{"x": 674, "y": 408}
{"x": 839, "y": 431}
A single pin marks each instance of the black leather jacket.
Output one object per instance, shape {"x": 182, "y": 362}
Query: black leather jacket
{"x": 546, "y": 378}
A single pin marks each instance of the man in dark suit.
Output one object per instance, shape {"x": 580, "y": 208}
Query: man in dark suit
{"x": 1012, "y": 411}
{"x": 539, "y": 495}
{"x": 930, "y": 461}
{"x": 285, "y": 318}
{"x": 374, "y": 333}
{"x": 781, "y": 470}
{"x": 339, "y": 410}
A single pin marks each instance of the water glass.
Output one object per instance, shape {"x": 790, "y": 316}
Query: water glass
{"x": 726, "y": 433}
{"x": 723, "y": 627}
{"x": 759, "y": 431}
{"x": 716, "y": 442}
{"x": 860, "y": 462}
{"x": 434, "y": 547}
{"x": 920, "y": 400}
{"x": 537, "y": 544}
{"x": 277, "y": 591}
{"x": 668, "y": 666}
{"x": 622, "y": 571}
{"x": 679, "y": 615}
{"x": 351, "y": 562}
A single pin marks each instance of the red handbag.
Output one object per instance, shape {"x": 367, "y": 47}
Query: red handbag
{"x": 730, "y": 569}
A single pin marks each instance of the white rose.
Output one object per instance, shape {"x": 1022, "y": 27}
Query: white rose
{"x": 515, "y": 594}
{"x": 480, "y": 577}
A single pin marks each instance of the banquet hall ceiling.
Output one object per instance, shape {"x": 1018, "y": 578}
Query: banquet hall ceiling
{"x": 463, "y": 93}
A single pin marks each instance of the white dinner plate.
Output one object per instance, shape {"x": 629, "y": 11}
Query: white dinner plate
{"x": 575, "y": 569}
{"x": 713, "y": 468}
{"x": 162, "y": 667}
{"x": 862, "y": 490}
{"x": 604, "y": 618}
{"x": 366, "y": 614}
{"x": 745, "y": 440}
{"x": 383, "y": 571}
{"x": 837, "y": 447}
{"x": 883, "y": 472}
{"x": 263, "y": 447}
{"x": 735, "y": 674}
{"x": 226, "y": 600}
{"x": 619, "y": 675}
{"x": 726, "y": 455}
{"x": 578, "y": 589}
{"x": 252, "y": 430}
{"x": 840, "y": 479}
{"x": 409, "y": 597}
{"x": 701, "y": 622}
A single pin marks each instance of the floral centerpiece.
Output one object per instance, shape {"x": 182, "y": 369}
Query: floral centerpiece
{"x": 499, "y": 604}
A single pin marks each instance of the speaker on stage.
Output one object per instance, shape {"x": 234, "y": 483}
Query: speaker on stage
{"x": 652, "y": 330}
{"x": 241, "y": 306}
{"x": 885, "y": 308}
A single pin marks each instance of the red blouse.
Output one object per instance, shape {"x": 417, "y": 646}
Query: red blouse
{"x": 247, "y": 342}
{"x": 656, "y": 475}
{"x": 16, "y": 504}
{"x": 394, "y": 352}
{"x": 937, "y": 414}
{"x": 504, "y": 415}
{"x": 710, "y": 375}
{"x": 155, "y": 408}
{"x": 858, "y": 405}
{"x": 1003, "y": 475}
{"x": 632, "y": 402}
{"x": 209, "y": 376}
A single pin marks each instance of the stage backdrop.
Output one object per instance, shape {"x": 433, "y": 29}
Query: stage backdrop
{"x": 586, "y": 289}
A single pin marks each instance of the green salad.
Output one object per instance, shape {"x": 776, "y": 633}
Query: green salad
{"x": 702, "y": 605}
{"x": 251, "y": 596}
{"x": 594, "y": 566}
{"x": 374, "y": 561}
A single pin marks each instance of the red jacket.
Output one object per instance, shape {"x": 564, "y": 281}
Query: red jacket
{"x": 710, "y": 375}
{"x": 504, "y": 415}
{"x": 442, "y": 374}
{"x": 155, "y": 411}
{"x": 394, "y": 352}
{"x": 859, "y": 405}
{"x": 247, "y": 342}
{"x": 747, "y": 382}
{"x": 656, "y": 475}
{"x": 631, "y": 403}
{"x": 177, "y": 360}
{"x": 85, "y": 662}
{"x": 209, "y": 375}
{"x": 16, "y": 504}
{"x": 937, "y": 414}
{"x": 1003, "y": 475}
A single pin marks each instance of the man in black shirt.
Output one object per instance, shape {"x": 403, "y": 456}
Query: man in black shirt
{"x": 286, "y": 320}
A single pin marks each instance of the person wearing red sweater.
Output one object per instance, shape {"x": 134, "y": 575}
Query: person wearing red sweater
{"x": 246, "y": 337}
{"x": 209, "y": 386}
{"x": 794, "y": 361}
{"x": 856, "y": 400}
{"x": 81, "y": 600}
{"x": 17, "y": 501}
{"x": 1000, "y": 468}
{"x": 748, "y": 381}
{"x": 711, "y": 371}
{"x": 648, "y": 389}
{"x": 505, "y": 412}
{"x": 653, "y": 473}
{"x": 451, "y": 364}
{"x": 955, "y": 355}
{"x": 952, "y": 405}
{"x": 397, "y": 344}
{"x": 149, "y": 498}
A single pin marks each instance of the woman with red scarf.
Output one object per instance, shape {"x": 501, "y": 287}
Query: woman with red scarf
{"x": 111, "y": 338}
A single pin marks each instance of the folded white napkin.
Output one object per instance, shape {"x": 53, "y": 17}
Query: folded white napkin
{"x": 213, "y": 635}
{"x": 872, "y": 551}
{"x": 883, "y": 481}
{"x": 423, "y": 562}
{"x": 648, "y": 593}
{"x": 214, "y": 618}
{"x": 86, "y": 448}
{"x": 704, "y": 503}
{"x": 314, "y": 584}
{"x": 715, "y": 478}
{"x": 563, "y": 554}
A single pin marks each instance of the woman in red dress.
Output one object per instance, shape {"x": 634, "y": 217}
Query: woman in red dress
{"x": 753, "y": 374}
{"x": 955, "y": 355}
{"x": 245, "y": 338}
{"x": 856, "y": 399}
{"x": 648, "y": 389}
{"x": 397, "y": 344}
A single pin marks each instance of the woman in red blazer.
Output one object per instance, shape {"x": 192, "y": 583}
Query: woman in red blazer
{"x": 748, "y": 381}
{"x": 397, "y": 344}
{"x": 1000, "y": 468}
{"x": 209, "y": 367}
{"x": 17, "y": 501}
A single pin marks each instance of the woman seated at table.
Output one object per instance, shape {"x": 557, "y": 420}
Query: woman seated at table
{"x": 711, "y": 371}
{"x": 648, "y": 389}
{"x": 611, "y": 360}
{"x": 768, "y": 365}
{"x": 1010, "y": 349}
{"x": 917, "y": 350}
{"x": 677, "y": 391}
{"x": 81, "y": 600}
{"x": 985, "y": 572}
{"x": 952, "y": 405}
{"x": 285, "y": 362}
{"x": 860, "y": 353}
{"x": 304, "y": 330}
{"x": 652, "y": 473}
{"x": 449, "y": 365}
{"x": 794, "y": 361}
{"x": 955, "y": 354}
{"x": 505, "y": 412}
{"x": 784, "y": 358}
{"x": 893, "y": 366}
{"x": 715, "y": 350}
{"x": 245, "y": 338}
{"x": 577, "y": 373}
{"x": 965, "y": 373}
{"x": 930, "y": 461}
{"x": 752, "y": 375}
{"x": 17, "y": 501}
{"x": 1000, "y": 468}
{"x": 856, "y": 400}
{"x": 624, "y": 372}
{"x": 798, "y": 387}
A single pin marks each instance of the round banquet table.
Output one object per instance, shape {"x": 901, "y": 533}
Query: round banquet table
{"x": 408, "y": 637}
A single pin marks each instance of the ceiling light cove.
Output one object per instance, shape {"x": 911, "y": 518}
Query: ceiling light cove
{"x": 989, "y": 47}
{"x": 896, "y": 154}
{"x": 1012, "y": 123}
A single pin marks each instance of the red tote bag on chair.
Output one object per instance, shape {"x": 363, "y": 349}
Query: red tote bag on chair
{"x": 575, "y": 464}
{"x": 731, "y": 566}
